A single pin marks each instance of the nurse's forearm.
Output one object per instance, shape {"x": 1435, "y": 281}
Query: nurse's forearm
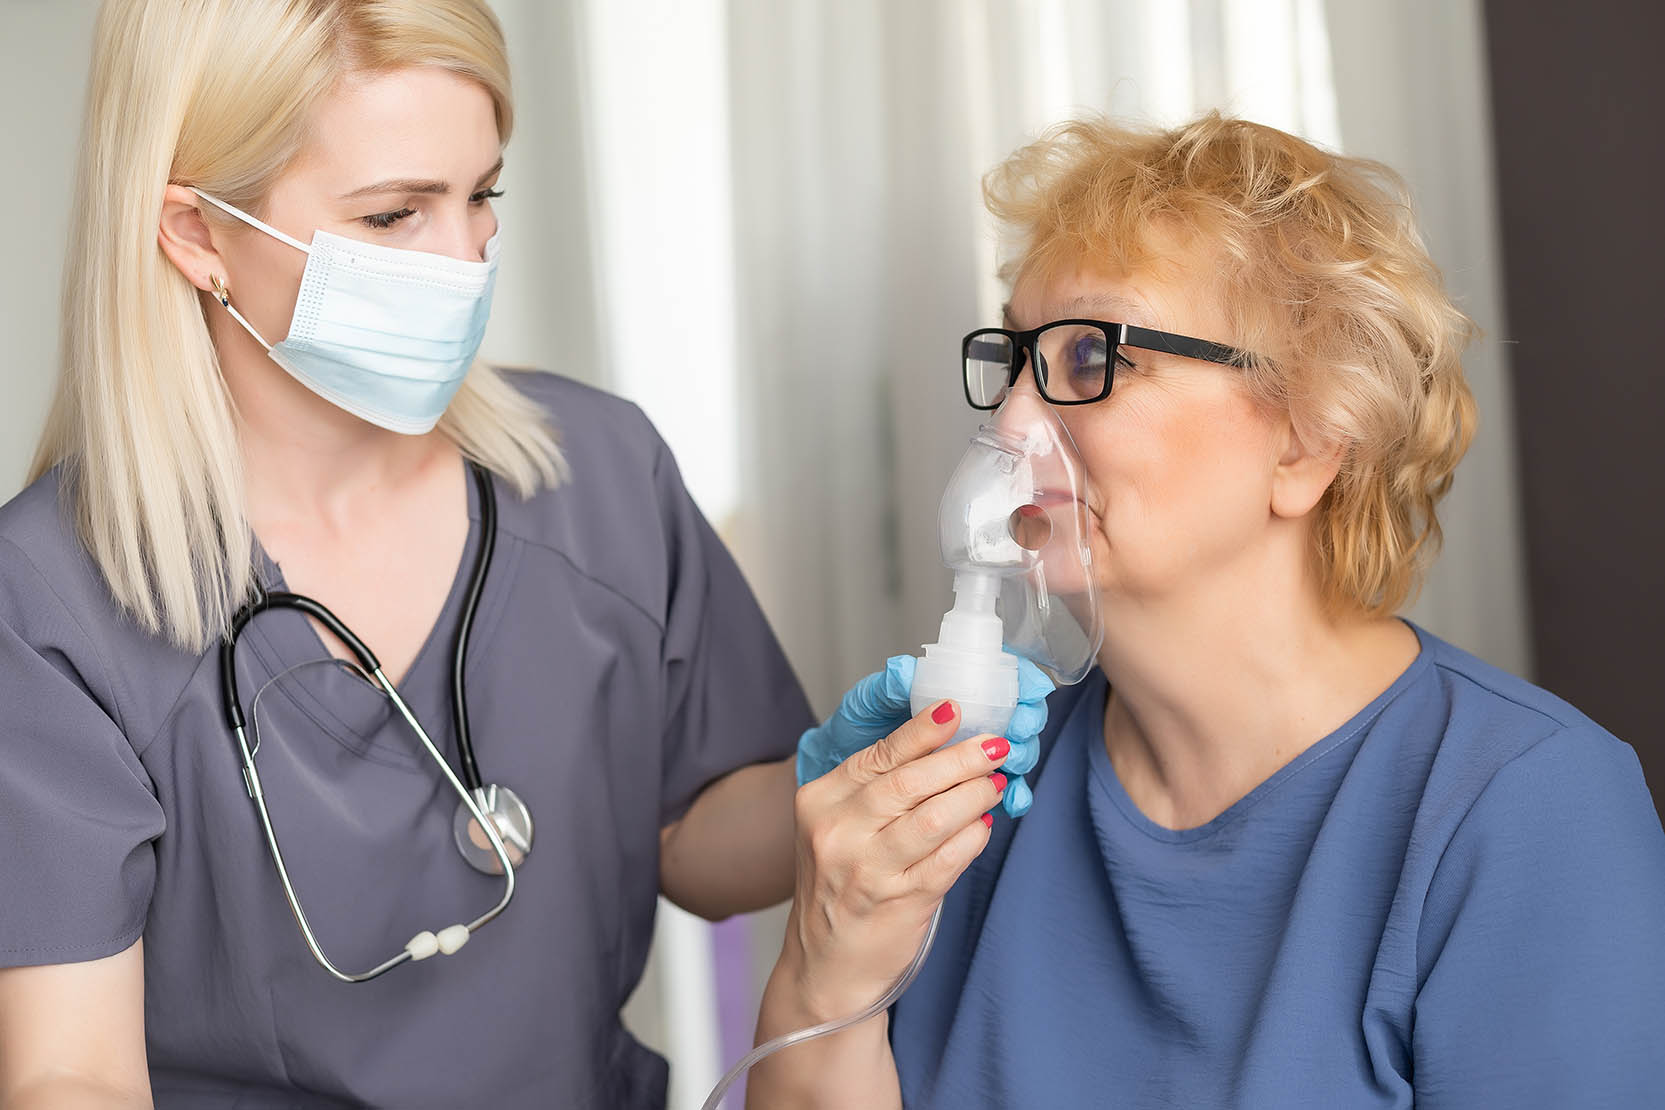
{"x": 72, "y": 1035}
{"x": 68, "y": 1093}
{"x": 732, "y": 851}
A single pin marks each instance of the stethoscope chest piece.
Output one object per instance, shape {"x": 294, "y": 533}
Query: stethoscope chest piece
{"x": 505, "y": 810}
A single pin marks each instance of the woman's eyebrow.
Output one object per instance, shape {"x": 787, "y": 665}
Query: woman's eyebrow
{"x": 1124, "y": 310}
{"x": 417, "y": 185}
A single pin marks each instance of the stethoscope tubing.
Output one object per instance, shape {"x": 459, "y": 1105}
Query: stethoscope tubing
{"x": 465, "y": 625}
{"x": 467, "y": 786}
{"x": 282, "y": 599}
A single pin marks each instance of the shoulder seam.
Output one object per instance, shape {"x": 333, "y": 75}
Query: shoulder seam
{"x": 98, "y": 653}
{"x": 173, "y": 706}
{"x": 588, "y": 577}
{"x": 630, "y": 410}
{"x": 1495, "y": 692}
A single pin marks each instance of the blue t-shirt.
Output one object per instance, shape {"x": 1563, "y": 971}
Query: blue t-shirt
{"x": 1455, "y": 900}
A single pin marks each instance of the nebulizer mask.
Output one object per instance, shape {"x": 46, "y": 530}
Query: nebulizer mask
{"x": 1016, "y": 527}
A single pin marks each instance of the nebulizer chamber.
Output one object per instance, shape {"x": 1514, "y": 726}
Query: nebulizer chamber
{"x": 1016, "y": 530}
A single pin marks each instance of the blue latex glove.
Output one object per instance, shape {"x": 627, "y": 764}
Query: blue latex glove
{"x": 877, "y": 706}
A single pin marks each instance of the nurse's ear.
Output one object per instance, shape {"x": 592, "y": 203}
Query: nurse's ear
{"x": 1302, "y": 470}
{"x": 187, "y": 240}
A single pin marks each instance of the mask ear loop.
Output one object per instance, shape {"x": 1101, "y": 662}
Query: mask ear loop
{"x": 222, "y": 293}
{"x": 231, "y": 210}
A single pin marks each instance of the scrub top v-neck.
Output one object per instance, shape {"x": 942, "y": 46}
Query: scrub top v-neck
{"x": 618, "y": 664}
{"x": 337, "y": 701}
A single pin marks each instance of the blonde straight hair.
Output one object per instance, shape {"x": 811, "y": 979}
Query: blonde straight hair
{"x": 218, "y": 94}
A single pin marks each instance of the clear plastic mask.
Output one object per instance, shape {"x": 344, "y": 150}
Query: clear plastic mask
{"x": 1016, "y": 509}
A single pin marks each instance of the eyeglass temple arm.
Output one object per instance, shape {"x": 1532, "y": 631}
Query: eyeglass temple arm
{"x": 1184, "y": 346}
{"x": 988, "y": 350}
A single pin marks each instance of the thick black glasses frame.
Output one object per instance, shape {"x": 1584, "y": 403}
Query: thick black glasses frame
{"x": 1119, "y": 335}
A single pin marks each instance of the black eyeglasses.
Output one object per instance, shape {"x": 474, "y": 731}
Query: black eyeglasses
{"x": 1073, "y": 360}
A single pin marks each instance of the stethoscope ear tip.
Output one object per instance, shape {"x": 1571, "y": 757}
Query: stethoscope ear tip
{"x": 446, "y": 941}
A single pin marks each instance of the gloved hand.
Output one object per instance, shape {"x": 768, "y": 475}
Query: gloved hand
{"x": 878, "y": 705}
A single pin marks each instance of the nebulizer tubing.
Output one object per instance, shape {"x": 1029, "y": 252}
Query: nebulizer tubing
{"x": 1020, "y": 469}
{"x": 787, "y": 1040}
{"x": 767, "y": 1049}
{"x": 986, "y": 704}
{"x": 975, "y": 586}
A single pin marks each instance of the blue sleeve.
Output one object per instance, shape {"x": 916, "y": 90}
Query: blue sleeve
{"x": 1540, "y": 960}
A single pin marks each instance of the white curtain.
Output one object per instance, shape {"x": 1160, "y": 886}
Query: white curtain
{"x": 44, "y": 51}
{"x": 1412, "y": 90}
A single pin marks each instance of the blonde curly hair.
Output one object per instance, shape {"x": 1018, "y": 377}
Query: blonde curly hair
{"x": 1323, "y": 276}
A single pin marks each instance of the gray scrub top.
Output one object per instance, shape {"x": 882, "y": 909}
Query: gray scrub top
{"x": 618, "y": 664}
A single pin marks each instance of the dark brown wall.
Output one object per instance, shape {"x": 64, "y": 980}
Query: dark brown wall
{"x": 1578, "y": 100}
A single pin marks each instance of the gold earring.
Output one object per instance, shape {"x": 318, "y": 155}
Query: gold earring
{"x": 220, "y": 290}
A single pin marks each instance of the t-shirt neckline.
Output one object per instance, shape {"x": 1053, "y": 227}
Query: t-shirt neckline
{"x": 1089, "y": 729}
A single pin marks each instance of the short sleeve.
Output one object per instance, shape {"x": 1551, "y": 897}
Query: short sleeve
{"x": 1543, "y": 979}
{"x": 78, "y": 816}
{"x": 731, "y": 696}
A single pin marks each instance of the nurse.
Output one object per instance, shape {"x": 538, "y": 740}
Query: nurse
{"x": 318, "y": 178}
{"x": 1286, "y": 849}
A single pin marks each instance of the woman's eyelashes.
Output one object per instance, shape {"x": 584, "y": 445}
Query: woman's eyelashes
{"x": 382, "y": 221}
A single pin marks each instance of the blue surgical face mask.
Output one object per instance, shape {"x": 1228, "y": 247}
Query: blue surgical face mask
{"x": 384, "y": 333}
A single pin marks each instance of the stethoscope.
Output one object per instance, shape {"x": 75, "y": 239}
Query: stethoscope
{"x": 495, "y": 846}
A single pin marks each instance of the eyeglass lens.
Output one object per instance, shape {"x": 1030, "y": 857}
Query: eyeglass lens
{"x": 1072, "y": 364}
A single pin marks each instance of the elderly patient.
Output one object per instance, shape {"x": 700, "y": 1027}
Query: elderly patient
{"x": 1286, "y": 849}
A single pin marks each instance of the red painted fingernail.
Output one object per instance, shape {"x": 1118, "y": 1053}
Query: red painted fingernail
{"x": 943, "y": 713}
{"x": 999, "y": 781}
{"x": 988, "y": 820}
{"x": 997, "y": 747}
